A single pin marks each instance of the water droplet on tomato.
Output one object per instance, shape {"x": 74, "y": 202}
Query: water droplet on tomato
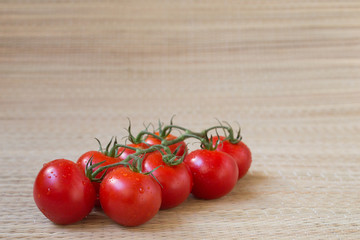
{"x": 49, "y": 176}
{"x": 124, "y": 174}
{"x": 48, "y": 191}
{"x": 137, "y": 179}
{"x": 141, "y": 190}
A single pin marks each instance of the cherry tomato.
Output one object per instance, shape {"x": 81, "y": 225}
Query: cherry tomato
{"x": 239, "y": 151}
{"x": 130, "y": 198}
{"x": 96, "y": 158}
{"x": 63, "y": 193}
{"x": 176, "y": 181}
{"x": 124, "y": 152}
{"x": 182, "y": 149}
{"x": 214, "y": 173}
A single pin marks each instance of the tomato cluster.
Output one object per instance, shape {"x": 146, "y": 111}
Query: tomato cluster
{"x": 131, "y": 183}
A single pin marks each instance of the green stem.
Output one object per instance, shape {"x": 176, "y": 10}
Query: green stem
{"x": 139, "y": 137}
{"x": 126, "y": 146}
{"x": 180, "y": 138}
{"x": 201, "y": 136}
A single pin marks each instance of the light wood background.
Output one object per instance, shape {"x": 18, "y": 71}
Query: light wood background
{"x": 287, "y": 71}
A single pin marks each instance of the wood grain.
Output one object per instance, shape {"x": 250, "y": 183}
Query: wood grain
{"x": 287, "y": 71}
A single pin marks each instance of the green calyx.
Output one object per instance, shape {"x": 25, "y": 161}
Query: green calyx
{"x": 171, "y": 159}
{"x": 165, "y": 131}
{"x": 205, "y": 138}
{"x": 110, "y": 152}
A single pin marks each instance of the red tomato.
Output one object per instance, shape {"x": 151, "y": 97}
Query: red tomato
{"x": 129, "y": 198}
{"x": 239, "y": 151}
{"x": 176, "y": 180}
{"x": 63, "y": 193}
{"x": 214, "y": 173}
{"x": 126, "y": 152}
{"x": 96, "y": 158}
{"x": 182, "y": 149}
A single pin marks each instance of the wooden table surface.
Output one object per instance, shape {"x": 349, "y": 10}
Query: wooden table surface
{"x": 287, "y": 71}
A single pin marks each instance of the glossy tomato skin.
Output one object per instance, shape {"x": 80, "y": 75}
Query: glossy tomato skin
{"x": 63, "y": 193}
{"x": 176, "y": 181}
{"x": 239, "y": 151}
{"x": 126, "y": 152}
{"x": 129, "y": 198}
{"x": 182, "y": 149}
{"x": 214, "y": 173}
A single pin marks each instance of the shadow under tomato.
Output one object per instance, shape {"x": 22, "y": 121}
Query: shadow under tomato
{"x": 245, "y": 190}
